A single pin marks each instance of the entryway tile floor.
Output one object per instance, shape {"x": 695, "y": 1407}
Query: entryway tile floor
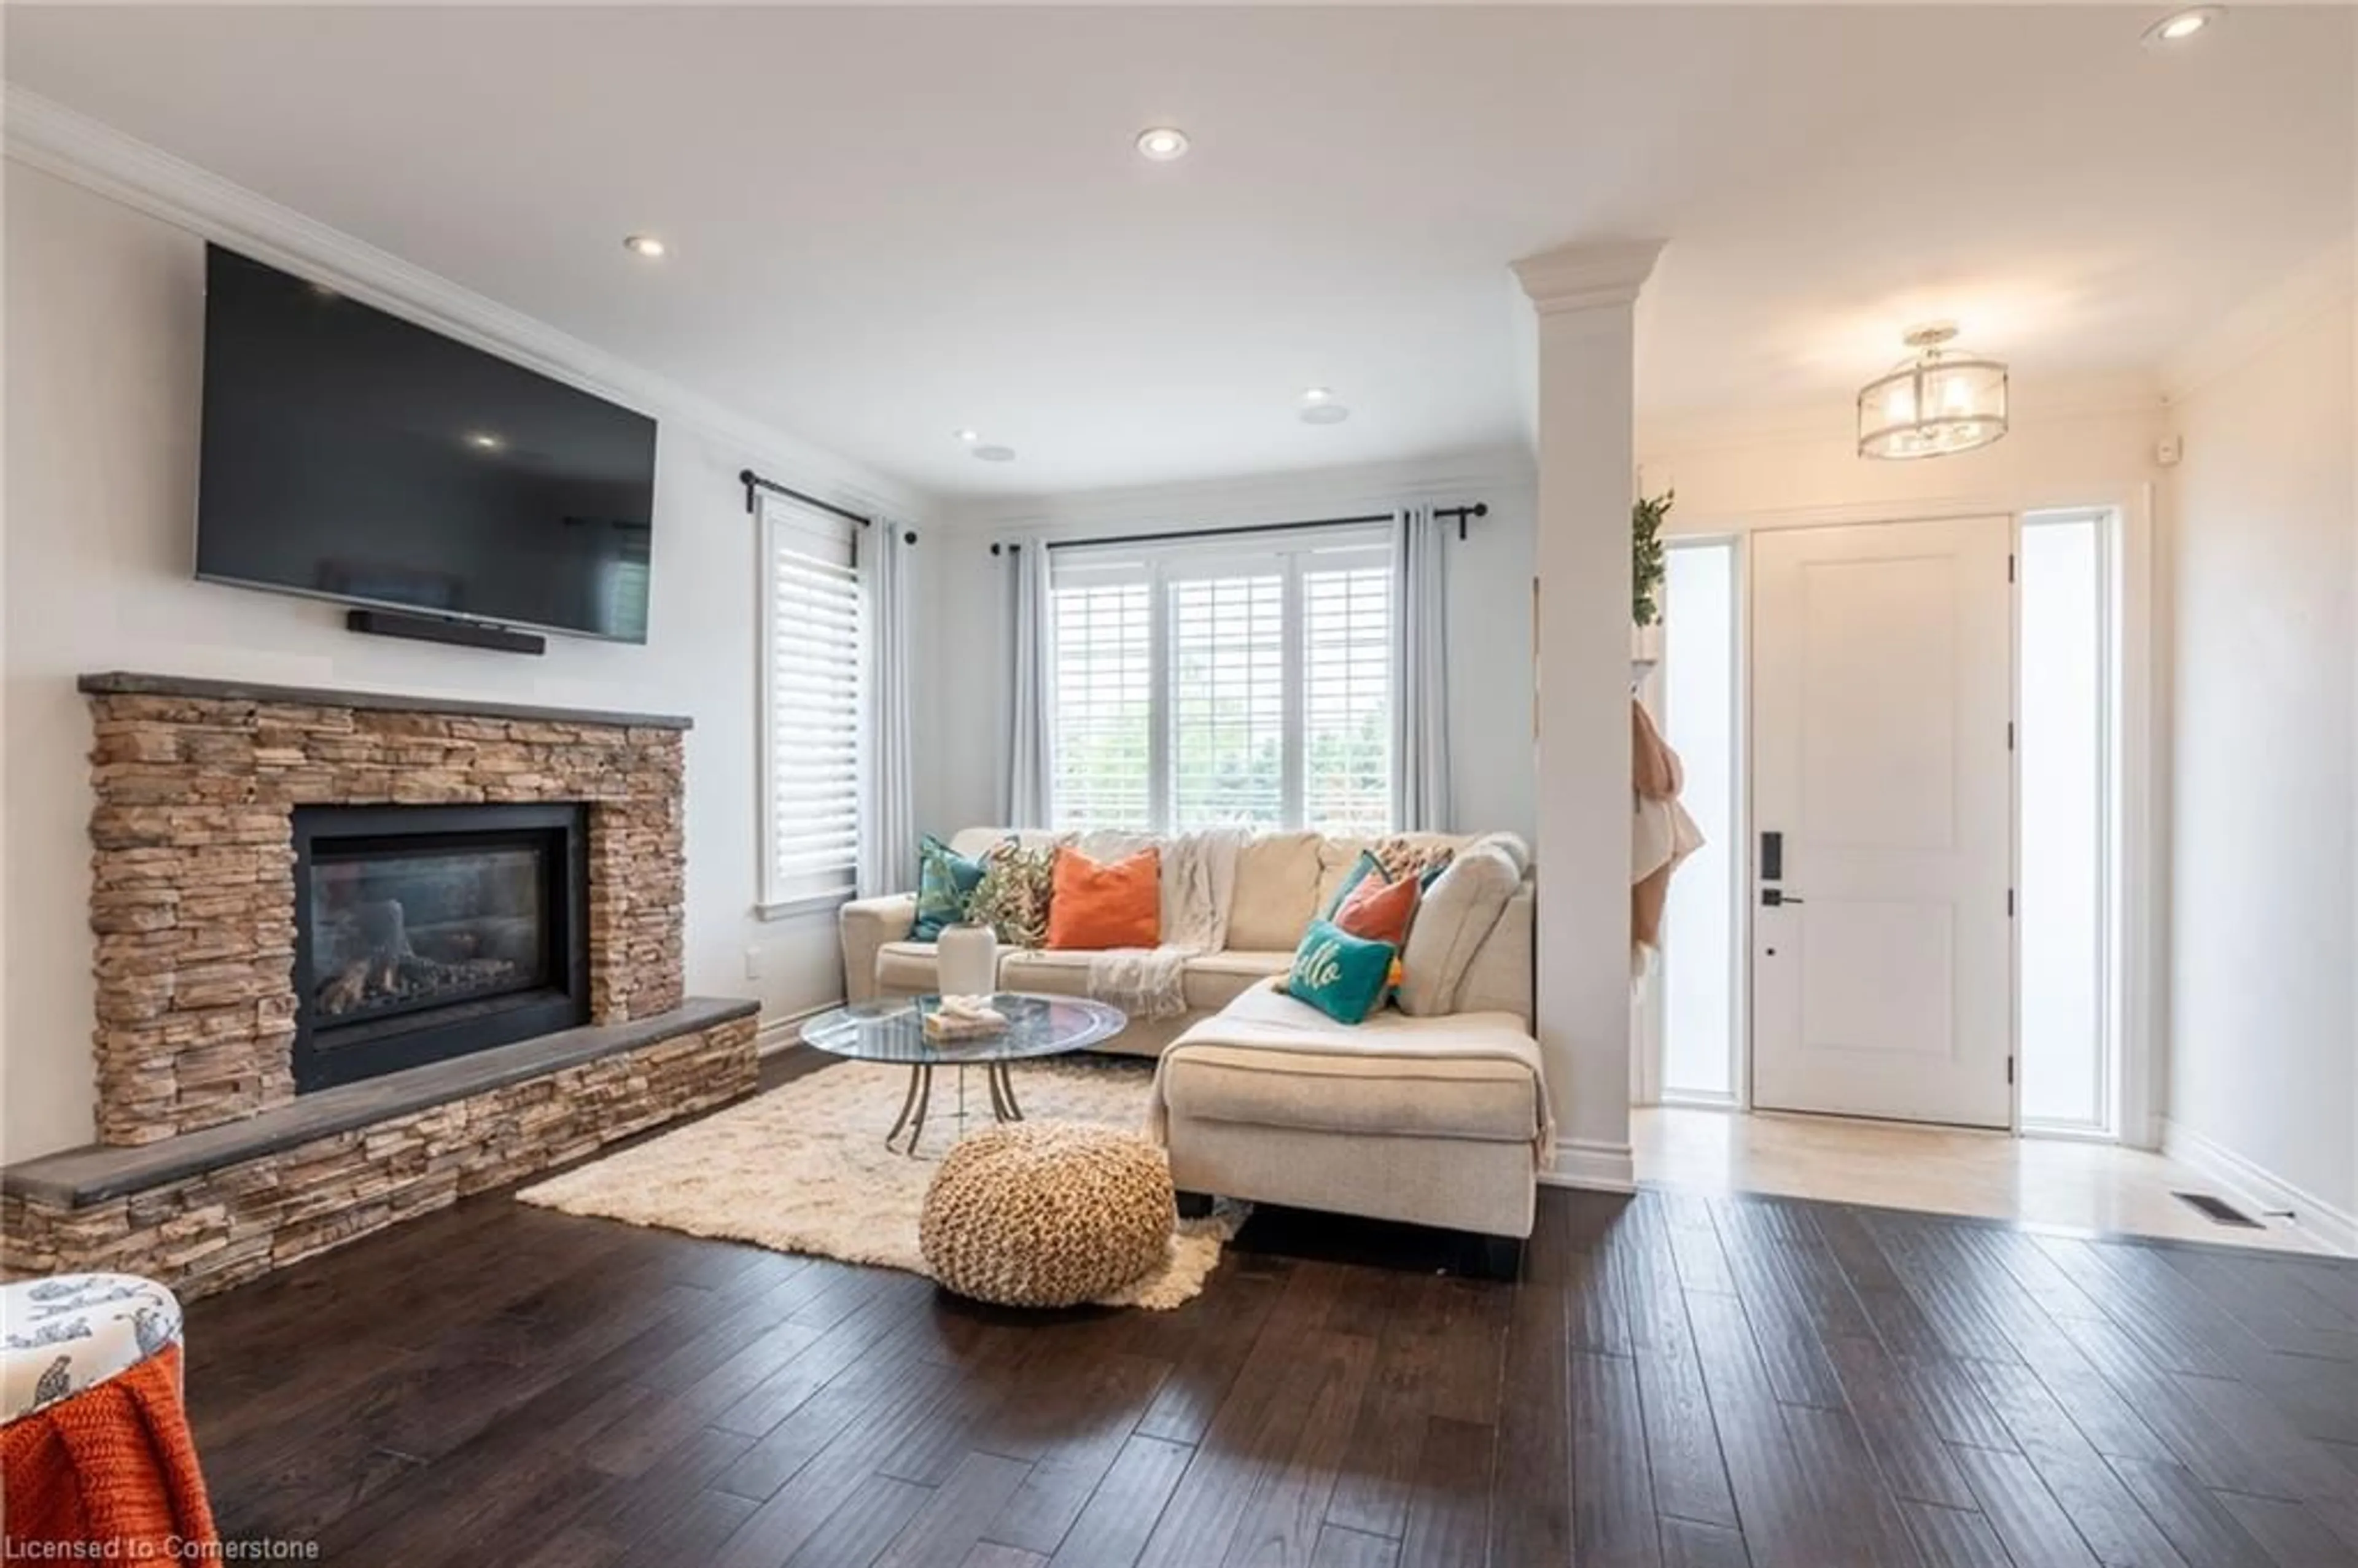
{"x": 2074, "y": 1187}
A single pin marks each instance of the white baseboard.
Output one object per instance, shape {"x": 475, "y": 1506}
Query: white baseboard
{"x": 785, "y": 1032}
{"x": 2260, "y": 1189}
{"x": 1599, "y": 1167}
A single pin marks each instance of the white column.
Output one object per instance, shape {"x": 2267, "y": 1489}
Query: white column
{"x": 1585, "y": 297}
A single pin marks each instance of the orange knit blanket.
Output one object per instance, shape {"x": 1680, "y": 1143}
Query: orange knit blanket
{"x": 112, "y": 1464}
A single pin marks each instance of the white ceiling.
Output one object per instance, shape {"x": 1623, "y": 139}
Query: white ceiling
{"x": 890, "y": 223}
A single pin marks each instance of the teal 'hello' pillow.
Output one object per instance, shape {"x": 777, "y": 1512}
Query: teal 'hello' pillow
{"x": 1341, "y": 975}
{"x": 946, "y": 881}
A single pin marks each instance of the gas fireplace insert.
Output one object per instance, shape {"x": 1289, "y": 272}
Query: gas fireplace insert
{"x": 427, "y": 931}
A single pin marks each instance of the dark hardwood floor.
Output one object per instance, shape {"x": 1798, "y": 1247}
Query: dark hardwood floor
{"x": 1674, "y": 1381}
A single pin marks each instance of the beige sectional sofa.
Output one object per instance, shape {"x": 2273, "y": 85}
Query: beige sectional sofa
{"x": 1282, "y": 880}
{"x": 1434, "y": 1112}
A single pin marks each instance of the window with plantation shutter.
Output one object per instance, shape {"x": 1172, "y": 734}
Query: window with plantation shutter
{"x": 1227, "y": 701}
{"x": 1205, "y": 684}
{"x": 1103, "y": 713}
{"x": 1346, "y": 698}
{"x": 813, "y": 680}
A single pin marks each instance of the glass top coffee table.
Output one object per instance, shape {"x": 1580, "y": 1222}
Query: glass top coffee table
{"x": 892, "y": 1030}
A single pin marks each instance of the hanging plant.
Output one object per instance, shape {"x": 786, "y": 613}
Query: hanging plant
{"x": 1646, "y": 564}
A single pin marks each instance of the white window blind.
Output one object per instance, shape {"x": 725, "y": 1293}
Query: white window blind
{"x": 1201, "y": 684}
{"x": 1346, "y": 698}
{"x": 1103, "y": 711}
{"x": 1227, "y": 701}
{"x": 813, "y": 683}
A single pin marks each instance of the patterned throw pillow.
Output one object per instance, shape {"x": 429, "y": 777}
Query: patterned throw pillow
{"x": 1401, "y": 856}
{"x": 1013, "y": 899}
{"x": 946, "y": 881}
{"x": 1341, "y": 975}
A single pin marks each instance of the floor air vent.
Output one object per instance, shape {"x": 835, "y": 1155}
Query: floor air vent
{"x": 2218, "y": 1211}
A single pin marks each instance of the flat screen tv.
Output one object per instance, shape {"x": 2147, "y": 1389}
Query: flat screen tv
{"x": 350, "y": 455}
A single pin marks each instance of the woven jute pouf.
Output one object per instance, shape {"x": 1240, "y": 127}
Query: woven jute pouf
{"x": 1046, "y": 1213}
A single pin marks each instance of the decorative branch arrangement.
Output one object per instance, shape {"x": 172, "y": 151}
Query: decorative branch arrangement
{"x": 1647, "y": 566}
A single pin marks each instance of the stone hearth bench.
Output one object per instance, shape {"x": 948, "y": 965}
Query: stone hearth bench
{"x": 205, "y": 1210}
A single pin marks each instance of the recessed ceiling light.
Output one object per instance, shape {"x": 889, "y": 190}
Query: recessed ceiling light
{"x": 1163, "y": 144}
{"x": 970, "y": 437}
{"x": 645, "y": 245}
{"x": 484, "y": 441}
{"x": 995, "y": 454}
{"x": 1325, "y": 414}
{"x": 1317, "y": 394}
{"x": 2181, "y": 26}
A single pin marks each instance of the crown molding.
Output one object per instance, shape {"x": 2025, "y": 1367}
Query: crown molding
{"x": 44, "y": 135}
{"x": 2241, "y": 335}
{"x": 1587, "y": 276}
{"x": 1495, "y": 475}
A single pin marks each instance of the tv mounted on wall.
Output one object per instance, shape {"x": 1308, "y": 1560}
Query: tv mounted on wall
{"x": 350, "y": 455}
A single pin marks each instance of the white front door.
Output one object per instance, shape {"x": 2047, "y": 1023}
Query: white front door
{"x": 1883, "y": 810}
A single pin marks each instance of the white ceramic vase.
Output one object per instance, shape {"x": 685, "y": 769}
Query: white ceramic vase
{"x": 967, "y": 960}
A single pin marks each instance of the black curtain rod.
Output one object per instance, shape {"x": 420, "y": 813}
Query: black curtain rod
{"x": 753, "y": 482}
{"x": 1456, "y": 514}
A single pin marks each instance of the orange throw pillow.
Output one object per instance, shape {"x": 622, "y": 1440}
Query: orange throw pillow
{"x": 1380, "y": 911}
{"x": 1096, "y": 905}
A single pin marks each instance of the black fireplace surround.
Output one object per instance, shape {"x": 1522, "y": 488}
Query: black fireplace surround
{"x": 427, "y": 931}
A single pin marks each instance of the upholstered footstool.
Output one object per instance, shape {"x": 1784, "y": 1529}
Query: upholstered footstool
{"x": 95, "y": 1450}
{"x": 1046, "y": 1213}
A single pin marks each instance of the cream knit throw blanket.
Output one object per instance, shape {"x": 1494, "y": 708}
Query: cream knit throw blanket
{"x": 1199, "y": 879}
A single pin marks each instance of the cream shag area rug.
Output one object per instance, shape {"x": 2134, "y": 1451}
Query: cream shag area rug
{"x": 804, "y": 1167}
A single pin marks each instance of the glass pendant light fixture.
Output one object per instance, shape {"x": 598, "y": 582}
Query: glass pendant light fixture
{"x": 1941, "y": 401}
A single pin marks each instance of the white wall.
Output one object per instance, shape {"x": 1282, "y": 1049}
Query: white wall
{"x": 103, "y": 315}
{"x": 960, "y": 719}
{"x": 2261, "y": 512}
{"x": 2083, "y": 445}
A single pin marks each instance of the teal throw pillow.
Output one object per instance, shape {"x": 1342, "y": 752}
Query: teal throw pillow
{"x": 946, "y": 881}
{"x": 1366, "y": 866}
{"x": 1341, "y": 975}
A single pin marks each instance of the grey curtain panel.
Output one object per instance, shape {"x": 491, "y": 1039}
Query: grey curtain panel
{"x": 1025, "y": 800}
{"x": 1421, "y": 798}
{"x": 888, "y": 804}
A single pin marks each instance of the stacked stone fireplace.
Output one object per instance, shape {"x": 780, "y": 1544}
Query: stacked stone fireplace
{"x": 357, "y": 955}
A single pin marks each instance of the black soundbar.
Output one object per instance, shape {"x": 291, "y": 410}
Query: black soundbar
{"x": 442, "y": 628}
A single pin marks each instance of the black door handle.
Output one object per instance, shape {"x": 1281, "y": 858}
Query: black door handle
{"x": 1776, "y": 897}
